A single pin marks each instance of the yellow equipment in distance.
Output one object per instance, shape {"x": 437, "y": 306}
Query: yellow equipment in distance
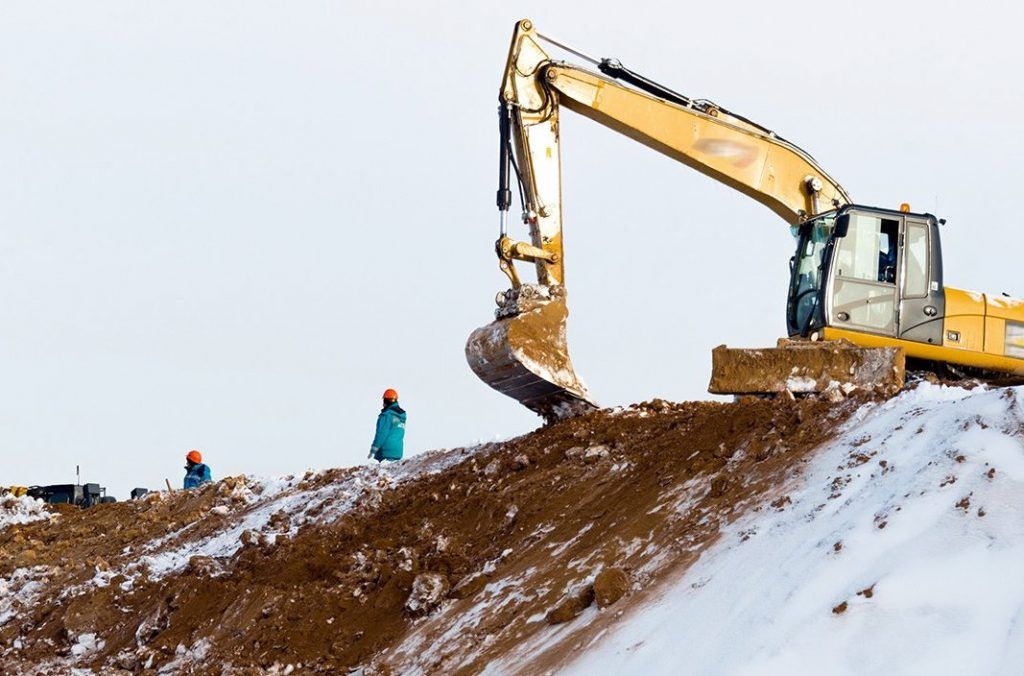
{"x": 868, "y": 275}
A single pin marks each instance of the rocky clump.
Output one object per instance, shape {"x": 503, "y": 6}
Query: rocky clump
{"x": 609, "y": 586}
{"x": 571, "y": 606}
{"x": 428, "y": 590}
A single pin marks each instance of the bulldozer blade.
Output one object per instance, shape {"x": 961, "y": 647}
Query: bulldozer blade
{"x": 803, "y": 367}
{"x": 525, "y": 356}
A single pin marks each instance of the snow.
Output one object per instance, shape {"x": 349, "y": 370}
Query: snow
{"x": 266, "y": 499}
{"x": 912, "y": 517}
{"x": 22, "y": 510}
{"x": 186, "y": 657}
{"x": 266, "y": 506}
{"x": 1004, "y": 302}
{"x": 801, "y": 384}
{"x": 19, "y": 590}
{"x": 86, "y": 644}
{"x": 426, "y": 644}
{"x": 974, "y": 296}
{"x": 899, "y": 552}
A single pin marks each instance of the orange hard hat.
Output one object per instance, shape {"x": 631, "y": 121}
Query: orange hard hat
{"x": 391, "y": 394}
{"x": 194, "y": 456}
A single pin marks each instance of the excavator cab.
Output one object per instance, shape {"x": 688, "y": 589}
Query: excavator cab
{"x": 866, "y": 293}
{"x": 867, "y": 270}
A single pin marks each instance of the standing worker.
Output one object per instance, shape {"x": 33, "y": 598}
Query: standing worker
{"x": 196, "y": 473}
{"x": 389, "y": 441}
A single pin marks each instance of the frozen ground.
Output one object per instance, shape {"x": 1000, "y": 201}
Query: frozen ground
{"x": 21, "y": 510}
{"x": 895, "y": 547}
{"x": 899, "y": 551}
{"x": 214, "y": 527}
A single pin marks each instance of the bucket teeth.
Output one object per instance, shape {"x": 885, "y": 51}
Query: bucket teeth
{"x": 524, "y": 355}
{"x": 802, "y": 367}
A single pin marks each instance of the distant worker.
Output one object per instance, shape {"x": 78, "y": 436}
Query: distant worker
{"x": 196, "y": 473}
{"x": 389, "y": 441}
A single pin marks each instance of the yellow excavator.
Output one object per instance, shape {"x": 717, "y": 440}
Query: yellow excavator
{"x": 866, "y": 285}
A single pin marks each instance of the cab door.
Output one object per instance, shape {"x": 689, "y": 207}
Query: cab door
{"x": 865, "y": 268}
{"x": 922, "y": 300}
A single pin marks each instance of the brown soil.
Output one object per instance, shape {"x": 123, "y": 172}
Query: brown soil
{"x": 868, "y": 592}
{"x": 610, "y": 586}
{"x": 571, "y": 606}
{"x": 508, "y": 534}
{"x": 805, "y": 366}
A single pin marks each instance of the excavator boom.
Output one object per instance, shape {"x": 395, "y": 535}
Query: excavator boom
{"x": 742, "y": 156}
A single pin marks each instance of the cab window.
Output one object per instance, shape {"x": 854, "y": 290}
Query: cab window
{"x": 868, "y": 252}
{"x": 915, "y": 282}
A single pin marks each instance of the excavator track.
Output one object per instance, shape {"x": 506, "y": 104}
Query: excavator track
{"x": 523, "y": 353}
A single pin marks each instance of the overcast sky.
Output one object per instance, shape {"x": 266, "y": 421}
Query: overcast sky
{"x": 231, "y": 225}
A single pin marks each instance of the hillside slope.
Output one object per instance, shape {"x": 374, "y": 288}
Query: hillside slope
{"x": 898, "y": 551}
{"x": 698, "y": 537}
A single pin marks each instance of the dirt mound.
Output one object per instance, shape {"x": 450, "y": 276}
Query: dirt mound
{"x": 609, "y": 586}
{"x": 443, "y": 563}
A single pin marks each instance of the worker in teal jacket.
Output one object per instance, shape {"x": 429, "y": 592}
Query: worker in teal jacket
{"x": 196, "y": 473}
{"x": 389, "y": 441}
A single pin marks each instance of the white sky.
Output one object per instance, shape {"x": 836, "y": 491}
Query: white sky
{"x": 231, "y": 225}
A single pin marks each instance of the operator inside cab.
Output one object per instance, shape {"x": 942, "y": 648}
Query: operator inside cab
{"x": 887, "y": 251}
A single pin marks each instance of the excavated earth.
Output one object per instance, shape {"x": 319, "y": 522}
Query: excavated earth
{"x": 449, "y": 565}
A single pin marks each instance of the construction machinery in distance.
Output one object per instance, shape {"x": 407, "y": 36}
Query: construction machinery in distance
{"x": 76, "y": 494}
{"x": 866, "y": 286}
{"x": 79, "y": 495}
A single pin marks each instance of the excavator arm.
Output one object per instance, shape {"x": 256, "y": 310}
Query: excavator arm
{"x": 524, "y": 353}
{"x": 706, "y": 137}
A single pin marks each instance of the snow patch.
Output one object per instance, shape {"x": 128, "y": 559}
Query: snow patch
{"x": 881, "y": 564}
{"x": 22, "y": 510}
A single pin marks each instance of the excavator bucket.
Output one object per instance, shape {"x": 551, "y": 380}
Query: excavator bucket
{"x": 804, "y": 367}
{"x": 523, "y": 353}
